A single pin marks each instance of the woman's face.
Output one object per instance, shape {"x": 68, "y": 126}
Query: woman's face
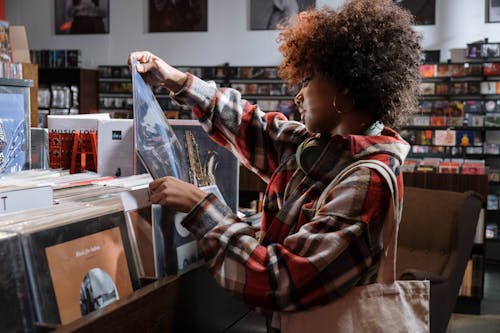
{"x": 315, "y": 101}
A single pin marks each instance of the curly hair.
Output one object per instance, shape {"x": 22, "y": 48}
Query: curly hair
{"x": 368, "y": 46}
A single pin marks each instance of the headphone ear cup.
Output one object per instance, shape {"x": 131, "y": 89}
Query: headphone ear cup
{"x": 309, "y": 151}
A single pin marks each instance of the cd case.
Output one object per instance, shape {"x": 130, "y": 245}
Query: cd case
{"x": 155, "y": 142}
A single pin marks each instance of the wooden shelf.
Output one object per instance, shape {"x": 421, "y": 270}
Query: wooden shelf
{"x": 84, "y": 79}
{"x": 192, "y": 302}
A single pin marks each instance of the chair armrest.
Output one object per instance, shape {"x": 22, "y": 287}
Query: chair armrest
{"x": 417, "y": 274}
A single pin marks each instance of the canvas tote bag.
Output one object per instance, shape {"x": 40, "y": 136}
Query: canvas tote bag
{"x": 389, "y": 305}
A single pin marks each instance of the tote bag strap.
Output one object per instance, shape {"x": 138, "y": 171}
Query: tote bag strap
{"x": 387, "y": 271}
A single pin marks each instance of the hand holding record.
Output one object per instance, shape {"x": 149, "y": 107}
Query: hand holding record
{"x": 156, "y": 71}
{"x": 175, "y": 194}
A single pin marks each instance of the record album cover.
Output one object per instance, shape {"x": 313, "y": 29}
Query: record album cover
{"x": 14, "y": 132}
{"x": 16, "y": 313}
{"x": 155, "y": 142}
{"x": 175, "y": 248}
{"x": 88, "y": 273}
{"x": 77, "y": 265}
{"x": 207, "y": 162}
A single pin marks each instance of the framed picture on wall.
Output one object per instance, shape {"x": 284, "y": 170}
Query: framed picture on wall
{"x": 267, "y": 14}
{"x": 81, "y": 17}
{"x": 492, "y": 11}
{"x": 177, "y": 15}
{"x": 424, "y": 11}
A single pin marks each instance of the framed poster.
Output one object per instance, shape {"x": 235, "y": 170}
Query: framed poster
{"x": 267, "y": 14}
{"x": 493, "y": 11}
{"x": 177, "y": 15}
{"x": 424, "y": 11}
{"x": 81, "y": 17}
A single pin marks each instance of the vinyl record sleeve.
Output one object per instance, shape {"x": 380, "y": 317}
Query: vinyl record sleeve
{"x": 155, "y": 142}
{"x": 94, "y": 239}
{"x": 207, "y": 162}
{"x": 175, "y": 248}
{"x": 16, "y": 313}
{"x": 14, "y": 130}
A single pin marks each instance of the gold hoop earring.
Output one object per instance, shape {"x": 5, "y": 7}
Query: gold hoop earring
{"x": 335, "y": 108}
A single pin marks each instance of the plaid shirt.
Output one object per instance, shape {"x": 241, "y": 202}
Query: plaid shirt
{"x": 301, "y": 259}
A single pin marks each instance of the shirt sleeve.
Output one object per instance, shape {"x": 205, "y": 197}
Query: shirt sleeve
{"x": 258, "y": 139}
{"x": 326, "y": 257}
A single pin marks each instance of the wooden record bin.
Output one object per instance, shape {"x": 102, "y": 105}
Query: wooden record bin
{"x": 191, "y": 302}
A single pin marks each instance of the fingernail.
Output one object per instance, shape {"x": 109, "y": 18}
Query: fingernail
{"x": 139, "y": 67}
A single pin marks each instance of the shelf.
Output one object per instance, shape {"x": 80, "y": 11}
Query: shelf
{"x": 115, "y": 79}
{"x": 113, "y": 95}
{"x": 115, "y": 109}
{"x": 458, "y": 128}
{"x": 492, "y": 240}
{"x": 16, "y": 82}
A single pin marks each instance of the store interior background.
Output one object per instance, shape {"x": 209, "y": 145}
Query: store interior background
{"x": 229, "y": 39}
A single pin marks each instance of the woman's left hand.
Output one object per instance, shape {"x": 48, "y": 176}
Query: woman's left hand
{"x": 175, "y": 194}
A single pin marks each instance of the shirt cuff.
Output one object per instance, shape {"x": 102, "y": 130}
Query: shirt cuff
{"x": 196, "y": 92}
{"x": 206, "y": 215}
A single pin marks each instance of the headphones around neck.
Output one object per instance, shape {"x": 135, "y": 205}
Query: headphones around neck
{"x": 310, "y": 149}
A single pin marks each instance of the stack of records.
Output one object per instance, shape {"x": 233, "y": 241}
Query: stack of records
{"x": 78, "y": 257}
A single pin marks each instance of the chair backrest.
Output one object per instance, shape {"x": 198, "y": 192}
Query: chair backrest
{"x": 434, "y": 225}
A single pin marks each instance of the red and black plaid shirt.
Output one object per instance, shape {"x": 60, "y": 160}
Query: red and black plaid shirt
{"x": 300, "y": 260}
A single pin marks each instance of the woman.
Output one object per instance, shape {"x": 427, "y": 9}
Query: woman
{"x": 359, "y": 73}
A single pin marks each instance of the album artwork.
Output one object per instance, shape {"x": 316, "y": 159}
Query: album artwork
{"x": 175, "y": 248}
{"x": 207, "y": 162}
{"x": 14, "y": 130}
{"x": 81, "y": 17}
{"x": 5, "y": 47}
{"x": 267, "y": 15}
{"x": 16, "y": 313}
{"x": 78, "y": 266}
{"x": 170, "y": 15}
{"x": 155, "y": 142}
{"x": 424, "y": 11}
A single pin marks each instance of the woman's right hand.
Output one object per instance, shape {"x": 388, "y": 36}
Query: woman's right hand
{"x": 157, "y": 72}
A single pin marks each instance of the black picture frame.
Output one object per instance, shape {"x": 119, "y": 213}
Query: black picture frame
{"x": 78, "y": 17}
{"x": 265, "y": 15}
{"x": 177, "y": 16}
{"x": 492, "y": 11}
{"x": 424, "y": 11}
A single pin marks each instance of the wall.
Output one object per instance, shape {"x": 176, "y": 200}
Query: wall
{"x": 227, "y": 39}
